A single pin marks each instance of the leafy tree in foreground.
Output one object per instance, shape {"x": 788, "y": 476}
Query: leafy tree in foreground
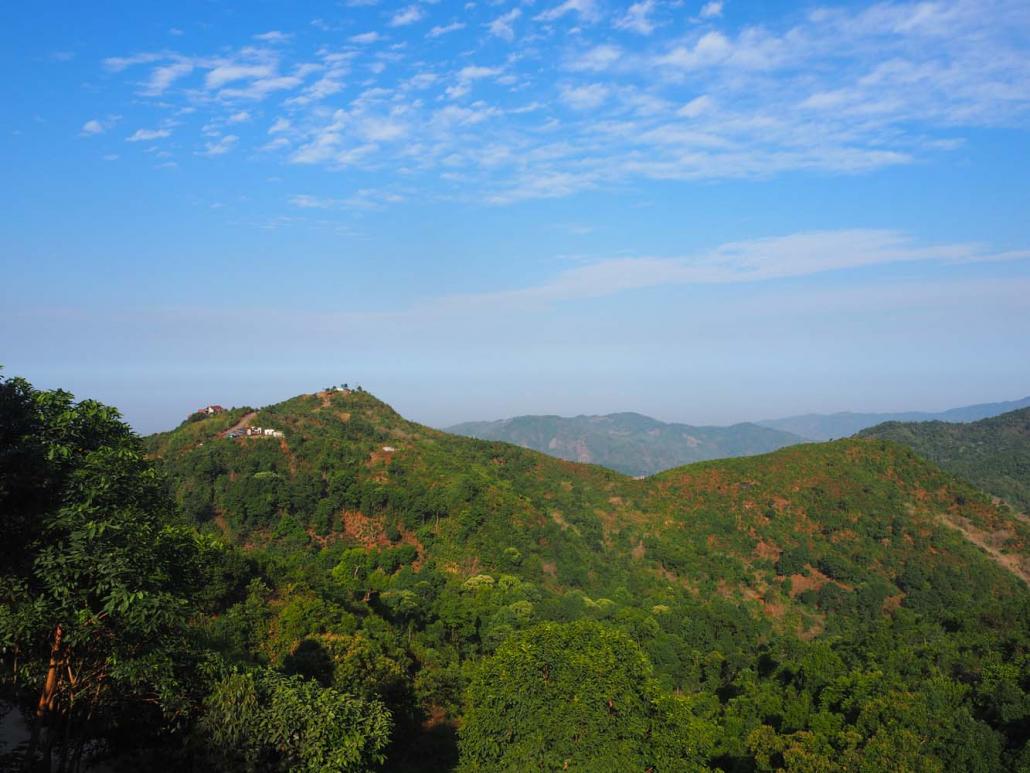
{"x": 266, "y": 721}
{"x": 577, "y": 696}
{"x": 93, "y": 609}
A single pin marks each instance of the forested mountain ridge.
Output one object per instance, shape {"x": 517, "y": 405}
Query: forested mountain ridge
{"x": 629, "y": 443}
{"x": 993, "y": 454}
{"x": 825, "y": 426}
{"x": 455, "y": 544}
{"x": 361, "y": 592}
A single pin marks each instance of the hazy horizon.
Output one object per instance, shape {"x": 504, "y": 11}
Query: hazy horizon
{"x": 706, "y": 212}
{"x": 159, "y": 407}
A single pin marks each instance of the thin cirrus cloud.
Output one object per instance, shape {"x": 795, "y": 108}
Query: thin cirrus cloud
{"x": 756, "y": 260}
{"x": 406, "y": 16}
{"x": 144, "y": 135}
{"x": 634, "y": 94}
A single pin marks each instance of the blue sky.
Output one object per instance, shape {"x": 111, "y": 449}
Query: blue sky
{"x": 703, "y": 211}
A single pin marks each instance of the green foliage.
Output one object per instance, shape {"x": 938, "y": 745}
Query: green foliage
{"x": 993, "y": 454}
{"x": 813, "y": 609}
{"x": 94, "y": 609}
{"x": 263, "y": 720}
{"x": 577, "y": 696}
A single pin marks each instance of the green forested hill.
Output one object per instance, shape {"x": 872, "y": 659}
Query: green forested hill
{"x": 628, "y": 442}
{"x": 817, "y": 608}
{"x": 993, "y": 454}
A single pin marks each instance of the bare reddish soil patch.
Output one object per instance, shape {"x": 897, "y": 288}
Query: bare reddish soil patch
{"x": 364, "y": 530}
{"x": 814, "y": 580}
{"x": 893, "y": 603}
{"x": 991, "y": 543}
{"x": 767, "y": 550}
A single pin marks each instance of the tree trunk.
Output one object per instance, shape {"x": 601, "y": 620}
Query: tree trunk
{"x": 46, "y": 699}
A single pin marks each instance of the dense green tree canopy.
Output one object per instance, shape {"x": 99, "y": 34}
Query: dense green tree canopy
{"x": 576, "y": 696}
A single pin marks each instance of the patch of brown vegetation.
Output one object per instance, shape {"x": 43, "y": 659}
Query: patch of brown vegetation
{"x": 436, "y": 716}
{"x": 559, "y": 519}
{"x": 844, "y": 535}
{"x": 767, "y": 550}
{"x": 550, "y": 568}
{"x": 290, "y": 460}
{"x": 326, "y": 396}
{"x": 638, "y": 551}
{"x": 773, "y": 609}
{"x": 379, "y": 455}
{"x": 814, "y": 580}
{"x": 364, "y": 530}
{"x": 343, "y": 416}
{"x": 892, "y": 604}
{"x": 992, "y": 543}
{"x": 813, "y": 630}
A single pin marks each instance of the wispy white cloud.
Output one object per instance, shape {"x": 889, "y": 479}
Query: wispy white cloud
{"x": 362, "y": 199}
{"x": 273, "y": 36}
{"x": 163, "y": 77}
{"x": 596, "y": 59}
{"x": 504, "y": 25}
{"x": 756, "y": 260}
{"x": 711, "y": 10}
{"x": 839, "y": 89}
{"x": 143, "y": 135}
{"x": 445, "y": 29}
{"x": 584, "y": 9}
{"x": 96, "y": 126}
{"x": 584, "y": 97}
{"x": 638, "y": 18}
{"x": 406, "y": 16}
{"x": 696, "y": 106}
{"x": 220, "y": 147}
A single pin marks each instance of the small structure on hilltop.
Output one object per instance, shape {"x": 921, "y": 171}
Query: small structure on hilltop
{"x": 208, "y": 410}
{"x": 239, "y": 432}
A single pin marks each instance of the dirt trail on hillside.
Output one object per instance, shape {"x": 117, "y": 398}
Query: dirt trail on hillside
{"x": 1017, "y": 565}
{"x": 285, "y": 448}
{"x": 241, "y": 424}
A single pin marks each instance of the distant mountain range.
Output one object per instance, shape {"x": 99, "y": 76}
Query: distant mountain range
{"x": 823, "y": 426}
{"x": 992, "y": 454}
{"x": 635, "y": 444}
{"x": 629, "y": 442}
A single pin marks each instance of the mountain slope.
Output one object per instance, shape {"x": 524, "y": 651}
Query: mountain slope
{"x": 993, "y": 454}
{"x": 628, "y": 442}
{"x": 349, "y": 463}
{"x": 820, "y": 426}
{"x": 796, "y": 595}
